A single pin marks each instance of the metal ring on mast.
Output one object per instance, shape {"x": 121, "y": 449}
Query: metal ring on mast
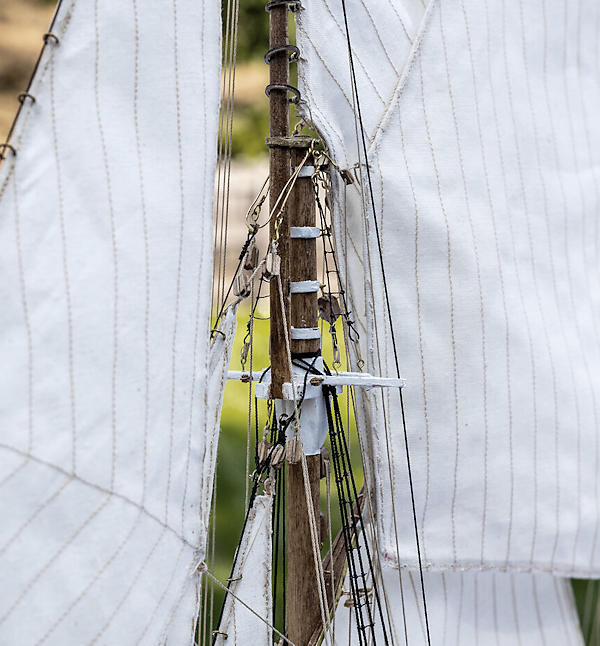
{"x": 292, "y": 5}
{"x": 294, "y": 56}
{"x": 285, "y": 86}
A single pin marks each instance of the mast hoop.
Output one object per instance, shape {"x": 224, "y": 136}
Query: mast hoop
{"x": 294, "y": 55}
{"x": 292, "y": 5}
{"x": 285, "y": 86}
{"x": 25, "y": 95}
{"x": 7, "y": 146}
{"x": 50, "y": 36}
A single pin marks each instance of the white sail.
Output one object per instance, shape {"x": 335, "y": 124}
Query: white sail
{"x": 109, "y": 400}
{"x": 248, "y": 608}
{"x": 483, "y": 157}
{"x": 485, "y": 608}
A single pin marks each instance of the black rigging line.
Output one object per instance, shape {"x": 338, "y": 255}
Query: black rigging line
{"x": 251, "y": 236}
{"x": 341, "y": 454}
{"x": 389, "y": 312}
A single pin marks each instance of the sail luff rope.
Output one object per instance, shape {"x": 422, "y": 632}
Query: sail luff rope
{"x": 389, "y": 312}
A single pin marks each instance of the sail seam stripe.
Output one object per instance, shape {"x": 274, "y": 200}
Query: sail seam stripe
{"x": 113, "y": 236}
{"x": 492, "y": 208}
{"x": 52, "y": 559}
{"x": 65, "y": 266}
{"x": 92, "y": 581}
{"x": 142, "y": 187}
{"x": 131, "y": 585}
{"x": 162, "y": 596}
{"x": 26, "y": 316}
{"x": 100, "y": 488}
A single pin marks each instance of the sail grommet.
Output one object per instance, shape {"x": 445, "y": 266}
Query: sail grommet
{"x": 50, "y": 36}
{"x": 294, "y": 55}
{"x": 285, "y": 86}
{"x": 7, "y": 146}
{"x": 25, "y": 95}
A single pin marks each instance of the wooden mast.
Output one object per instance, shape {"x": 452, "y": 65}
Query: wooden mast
{"x": 298, "y": 263}
{"x": 279, "y": 173}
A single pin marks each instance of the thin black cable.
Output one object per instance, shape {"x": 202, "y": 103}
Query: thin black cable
{"x": 346, "y": 457}
{"x": 251, "y": 236}
{"x": 343, "y": 501}
{"x": 344, "y": 451}
{"x": 389, "y": 312}
{"x": 353, "y": 334}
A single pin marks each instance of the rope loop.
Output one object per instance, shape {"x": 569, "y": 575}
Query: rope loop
{"x": 292, "y": 5}
{"x": 294, "y": 55}
{"x": 25, "y": 95}
{"x": 50, "y": 36}
{"x": 285, "y": 86}
{"x": 7, "y": 146}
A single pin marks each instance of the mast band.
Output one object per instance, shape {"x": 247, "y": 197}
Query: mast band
{"x": 304, "y": 286}
{"x": 305, "y": 232}
{"x": 305, "y": 171}
{"x": 304, "y": 333}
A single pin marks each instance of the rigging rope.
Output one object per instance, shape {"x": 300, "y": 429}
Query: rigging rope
{"x": 389, "y": 313}
{"x": 308, "y": 495}
{"x": 203, "y": 568}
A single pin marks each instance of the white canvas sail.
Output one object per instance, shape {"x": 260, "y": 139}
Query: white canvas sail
{"x": 248, "y": 608}
{"x": 109, "y": 395}
{"x": 483, "y": 155}
{"x": 485, "y": 608}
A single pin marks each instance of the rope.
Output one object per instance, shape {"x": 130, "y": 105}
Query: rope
{"x": 203, "y": 568}
{"x": 389, "y": 313}
{"x": 225, "y": 150}
{"x": 324, "y": 608}
{"x": 251, "y": 341}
